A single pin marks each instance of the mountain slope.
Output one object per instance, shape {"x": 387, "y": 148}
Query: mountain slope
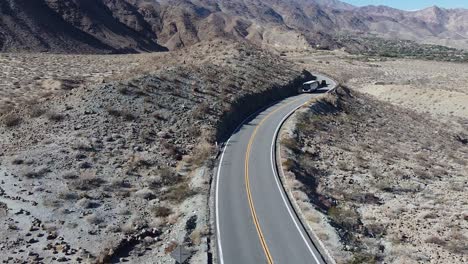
{"x": 151, "y": 25}
{"x": 68, "y": 26}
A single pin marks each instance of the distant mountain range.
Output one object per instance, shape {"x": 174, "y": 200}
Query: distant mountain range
{"x": 119, "y": 26}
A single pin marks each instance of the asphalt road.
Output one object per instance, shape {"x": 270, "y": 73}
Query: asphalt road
{"x": 254, "y": 220}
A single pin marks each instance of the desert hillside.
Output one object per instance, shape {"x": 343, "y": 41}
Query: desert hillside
{"x": 122, "y": 26}
{"x": 378, "y": 183}
{"x": 104, "y": 167}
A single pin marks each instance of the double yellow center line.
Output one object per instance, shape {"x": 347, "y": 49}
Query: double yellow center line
{"x": 247, "y": 185}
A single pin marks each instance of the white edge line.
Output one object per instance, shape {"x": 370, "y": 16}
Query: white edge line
{"x": 218, "y": 229}
{"x": 218, "y": 174}
{"x": 273, "y": 154}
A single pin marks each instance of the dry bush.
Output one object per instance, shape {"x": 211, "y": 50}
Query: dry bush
{"x": 312, "y": 217}
{"x": 168, "y": 176}
{"x": 128, "y": 116}
{"x": 154, "y": 182}
{"x": 201, "y": 111}
{"x": 172, "y": 245}
{"x": 68, "y": 195}
{"x": 35, "y": 173}
{"x": 52, "y": 203}
{"x": 12, "y": 120}
{"x": 288, "y": 164}
{"x": 56, "y": 117}
{"x": 290, "y": 143}
{"x": 124, "y": 90}
{"x": 435, "y": 240}
{"x": 344, "y": 166}
{"x": 201, "y": 153}
{"x": 179, "y": 192}
{"x": 344, "y": 217}
{"x": 113, "y": 112}
{"x": 94, "y": 219}
{"x": 171, "y": 150}
{"x": 161, "y": 211}
{"x": 323, "y": 236}
{"x": 36, "y": 111}
{"x": 87, "y": 181}
{"x": 125, "y": 114}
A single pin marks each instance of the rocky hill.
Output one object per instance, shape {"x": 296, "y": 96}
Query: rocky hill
{"x": 120, "y": 170}
{"x": 379, "y": 183}
{"x": 73, "y": 26}
{"x": 153, "y": 25}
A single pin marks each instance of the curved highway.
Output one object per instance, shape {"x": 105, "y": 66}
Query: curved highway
{"x": 255, "y": 222}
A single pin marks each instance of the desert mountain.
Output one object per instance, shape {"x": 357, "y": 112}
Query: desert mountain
{"x": 76, "y": 26}
{"x": 152, "y": 25}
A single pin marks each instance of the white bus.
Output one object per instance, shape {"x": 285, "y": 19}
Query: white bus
{"x": 309, "y": 87}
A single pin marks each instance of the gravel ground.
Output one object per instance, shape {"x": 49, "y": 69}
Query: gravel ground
{"x": 117, "y": 166}
{"x": 379, "y": 183}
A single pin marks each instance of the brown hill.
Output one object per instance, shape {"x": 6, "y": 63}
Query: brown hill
{"x": 70, "y": 26}
{"x": 150, "y": 25}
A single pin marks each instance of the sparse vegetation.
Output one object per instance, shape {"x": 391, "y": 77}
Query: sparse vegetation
{"x": 371, "y": 161}
{"x": 11, "y": 120}
{"x": 388, "y": 48}
{"x": 161, "y": 211}
{"x": 56, "y": 117}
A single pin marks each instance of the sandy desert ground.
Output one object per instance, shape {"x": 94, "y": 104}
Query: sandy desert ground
{"x": 381, "y": 175}
{"x": 109, "y": 158}
{"x": 437, "y": 88}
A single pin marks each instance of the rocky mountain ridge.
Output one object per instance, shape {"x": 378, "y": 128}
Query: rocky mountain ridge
{"x": 123, "y": 26}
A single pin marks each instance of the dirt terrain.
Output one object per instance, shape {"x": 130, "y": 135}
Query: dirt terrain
{"x": 108, "y": 158}
{"x": 435, "y": 88}
{"x": 380, "y": 171}
{"x": 378, "y": 183}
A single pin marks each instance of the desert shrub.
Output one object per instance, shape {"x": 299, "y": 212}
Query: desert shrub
{"x": 344, "y": 217}
{"x": 201, "y": 111}
{"x": 344, "y": 166}
{"x": 35, "y": 173}
{"x": 171, "y": 247}
{"x": 431, "y": 215}
{"x": 161, "y": 211}
{"x": 290, "y": 143}
{"x": 113, "y": 112}
{"x": 154, "y": 182}
{"x": 125, "y": 114}
{"x": 168, "y": 176}
{"x": 94, "y": 219}
{"x": 288, "y": 164}
{"x": 128, "y": 116}
{"x": 201, "y": 154}
{"x": 178, "y": 193}
{"x": 56, "y": 117}
{"x": 435, "y": 240}
{"x": 124, "y": 90}
{"x": 171, "y": 150}
{"x": 196, "y": 237}
{"x": 376, "y": 230}
{"x": 17, "y": 161}
{"x": 360, "y": 257}
{"x": 159, "y": 116}
{"x": 86, "y": 181}
{"x": 148, "y": 135}
{"x": 36, "y": 111}
{"x": 423, "y": 174}
{"x": 52, "y": 203}
{"x": 11, "y": 120}
{"x": 68, "y": 195}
